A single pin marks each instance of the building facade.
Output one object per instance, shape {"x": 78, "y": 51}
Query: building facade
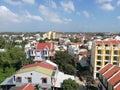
{"x": 104, "y": 52}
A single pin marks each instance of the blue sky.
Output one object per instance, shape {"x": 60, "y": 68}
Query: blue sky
{"x": 60, "y": 15}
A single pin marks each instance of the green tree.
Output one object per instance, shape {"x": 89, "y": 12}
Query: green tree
{"x": 2, "y": 42}
{"x": 65, "y": 61}
{"x": 69, "y": 85}
{"x": 69, "y": 69}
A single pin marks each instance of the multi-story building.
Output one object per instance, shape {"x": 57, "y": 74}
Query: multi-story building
{"x": 104, "y": 52}
{"x": 52, "y": 35}
{"x": 44, "y": 51}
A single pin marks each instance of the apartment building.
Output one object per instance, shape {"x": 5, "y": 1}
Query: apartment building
{"x": 52, "y": 35}
{"x": 104, "y": 52}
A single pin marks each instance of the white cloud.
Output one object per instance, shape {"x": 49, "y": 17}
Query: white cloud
{"x": 49, "y": 15}
{"x": 8, "y": 16}
{"x": 67, "y": 20}
{"x": 86, "y": 13}
{"x": 118, "y": 17}
{"x": 108, "y": 7}
{"x": 68, "y": 7}
{"x": 32, "y": 17}
{"x": 103, "y": 1}
{"x": 53, "y": 4}
{"x": 29, "y": 1}
{"x": 118, "y": 2}
{"x": 13, "y": 2}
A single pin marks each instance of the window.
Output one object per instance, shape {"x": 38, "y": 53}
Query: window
{"x": 115, "y": 63}
{"x": 99, "y": 63}
{"x": 106, "y": 63}
{"x": 107, "y": 51}
{"x": 106, "y": 45}
{"x": 44, "y": 80}
{"x": 99, "y": 57}
{"x": 18, "y": 79}
{"x": 29, "y": 79}
{"x": 116, "y": 52}
{"x": 115, "y": 58}
{"x": 98, "y": 68}
{"x": 99, "y": 51}
{"x": 107, "y": 58}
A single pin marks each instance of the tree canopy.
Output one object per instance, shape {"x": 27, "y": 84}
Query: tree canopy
{"x": 70, "y": 85}
{"x": 65, "y": 62}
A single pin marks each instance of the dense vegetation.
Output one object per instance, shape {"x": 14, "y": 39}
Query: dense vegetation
{"x": 65, "y": 62}
{"x": 11, "y": 59}
{"x": 70, "y": 85}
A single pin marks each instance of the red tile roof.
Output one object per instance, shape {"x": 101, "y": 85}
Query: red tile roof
{"x": 111, "y": 72}
{"x": 105, "y": 68}
{"x": 41, "y": 46}
{"x": 83, "y": 53}
{"x": 26, "y": 87}
{"x": 41, "y": 64}
{"x": 98, "y": 42}
{"x": 114, "y": 79}
{"x": 113, "y": 42}
{"x": 117, "y": 87}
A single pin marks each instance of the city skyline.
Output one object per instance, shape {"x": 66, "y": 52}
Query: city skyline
{"x": 60, "y": 15}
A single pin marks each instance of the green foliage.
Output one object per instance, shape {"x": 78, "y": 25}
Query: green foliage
{"x": 92, "y": 88}
{"x": 64, "y": 61}
{"x": 70, "y": 85}
{"x": 12, "y": 59}
{"x": 9, "y": 72}
{"x": 2, "y": 43}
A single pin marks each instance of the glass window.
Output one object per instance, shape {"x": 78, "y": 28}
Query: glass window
{"x": 99, "y": 57}
{"x": 29, "y": 79}
{"x": 44, "y": 80}
{"x": 115, "y": 58}
{"x": 116, "y": 52}
{"x": 107, "y": 51}
{"x": 99, "y": 51}
{"x": 18, "y": 79}
{"x": 107, "y": 58}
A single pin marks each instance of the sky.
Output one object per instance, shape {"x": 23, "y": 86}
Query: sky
{"x": 60, "y": 15}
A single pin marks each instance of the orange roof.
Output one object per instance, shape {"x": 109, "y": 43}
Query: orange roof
{"x": 117, "y": 87}
{"x": 113, "y": 42}
{"x": 105, "y": 68}
{"x": 111, "y": 72}
{"x": 41, "y": 46}
{"x": 98, "y": 42}
{"x": 83, "y": 53}
{"x": 114, "y": 79}
{"x": 26, "y": 87}
{"x": 106, "y": 42}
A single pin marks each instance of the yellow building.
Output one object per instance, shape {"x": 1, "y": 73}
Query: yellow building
{"x": 52, "y": 35}
{"x": 104, "y": 52}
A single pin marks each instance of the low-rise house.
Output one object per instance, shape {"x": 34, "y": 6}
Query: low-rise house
{"x": 44, "y": 74}
{"x": 109, "y": 77}
{"x": 44, "y": 51}
{"x": 37, "y": 74}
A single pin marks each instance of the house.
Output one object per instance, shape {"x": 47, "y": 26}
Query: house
{"x": 44, "y": 51}
{"x": 52, "y": 35}
{"x": 103, "y": 52}
{"x": 109, "y": 77}
{"x": 45, "y": 74}
{"x": 41, "y": 74}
